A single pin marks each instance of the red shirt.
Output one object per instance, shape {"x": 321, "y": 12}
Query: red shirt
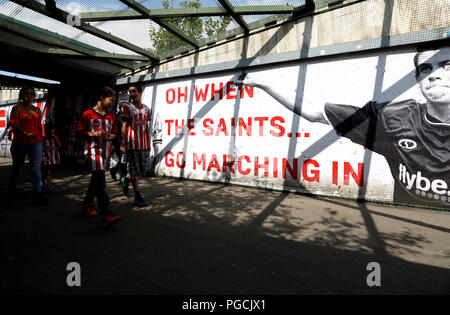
{"x": 137, "y": 132}
{"x": 29, "y": 123}
{"x": 97, "y": 149}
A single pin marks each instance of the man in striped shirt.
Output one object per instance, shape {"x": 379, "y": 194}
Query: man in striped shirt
{"x": 136, "y": 140}
{"x": 99, "y": 127}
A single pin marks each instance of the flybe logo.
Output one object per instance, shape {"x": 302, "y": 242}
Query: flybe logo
{"x": 433, "y": 189}
{"x": 407, "y": 144}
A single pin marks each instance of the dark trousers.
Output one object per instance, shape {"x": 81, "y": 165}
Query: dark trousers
{"x": 97, "y": 188}
{"x": 19, "y": 153}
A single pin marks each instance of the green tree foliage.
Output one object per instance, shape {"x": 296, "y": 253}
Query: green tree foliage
{"x": 194, "y": 27}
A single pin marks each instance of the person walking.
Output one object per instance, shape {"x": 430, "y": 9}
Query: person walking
{"x": 25, "y": 120}
{"x": 99, "y": 127}
{"x": 136, "y": 141}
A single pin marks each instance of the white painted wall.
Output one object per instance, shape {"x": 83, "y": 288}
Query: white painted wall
{"x": 208, "y": 150}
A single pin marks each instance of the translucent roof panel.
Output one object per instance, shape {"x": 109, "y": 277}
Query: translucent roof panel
{"x": 254, "y": 18}
{"x": 90, "y": 5}
{"x": 37, "y": 20}
{"x": 202, "y": 30}
{"x": 204, "y": 27}
{"x": 133, "y": 31}
{"x": 157, "y": 4}
{"x": 257, "y": 3}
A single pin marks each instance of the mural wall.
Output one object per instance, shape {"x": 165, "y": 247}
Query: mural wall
{"x": 371, "y": 126}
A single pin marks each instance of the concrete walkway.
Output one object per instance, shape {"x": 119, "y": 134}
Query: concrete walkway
{"x": 205, "y": 238}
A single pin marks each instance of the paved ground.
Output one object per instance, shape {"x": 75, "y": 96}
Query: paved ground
{"x": 204, "y": 238}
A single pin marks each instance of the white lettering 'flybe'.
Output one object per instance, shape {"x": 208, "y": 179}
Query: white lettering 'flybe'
{"x": 433, "y": 189}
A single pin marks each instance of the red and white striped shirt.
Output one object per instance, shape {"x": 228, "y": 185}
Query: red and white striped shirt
{"x": 137, "y": 133}
{"x": 97, "y": 149}
{"x": 50, "y": 152}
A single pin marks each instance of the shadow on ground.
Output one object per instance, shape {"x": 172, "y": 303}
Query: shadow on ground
{"x": 203, "y": 238}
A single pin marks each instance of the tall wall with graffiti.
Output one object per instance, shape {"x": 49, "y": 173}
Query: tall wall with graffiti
{"x": 371, "y": 126}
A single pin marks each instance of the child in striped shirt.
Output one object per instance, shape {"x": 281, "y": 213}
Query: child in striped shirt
{"x": 99, "y": 127}
{"x": 135, "y": 141}
{"x": 50, "y": 155}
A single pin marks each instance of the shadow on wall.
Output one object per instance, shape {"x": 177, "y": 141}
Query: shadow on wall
{"x": 346, "y": 126}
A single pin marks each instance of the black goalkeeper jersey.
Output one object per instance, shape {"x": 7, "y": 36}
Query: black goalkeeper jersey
{"x": 416, "y": 149}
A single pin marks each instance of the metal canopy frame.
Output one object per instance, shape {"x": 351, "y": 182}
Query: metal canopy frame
{"x": 60, "y": 15}
{"x": 145, "y": 58}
